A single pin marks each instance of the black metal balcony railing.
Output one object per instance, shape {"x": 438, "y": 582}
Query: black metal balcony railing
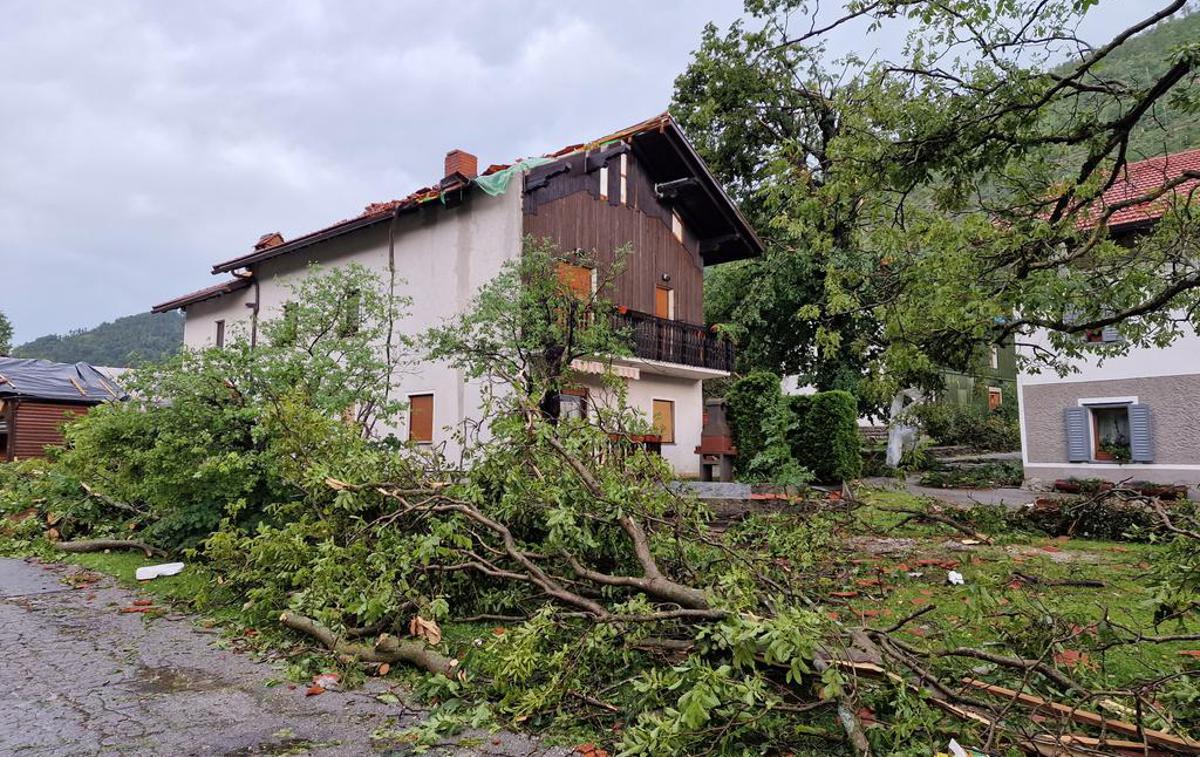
{"x": 670, "y": 341}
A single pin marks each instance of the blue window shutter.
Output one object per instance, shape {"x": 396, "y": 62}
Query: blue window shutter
{"x": 1078, "y": 449}
{"x": 1141, "y": 434}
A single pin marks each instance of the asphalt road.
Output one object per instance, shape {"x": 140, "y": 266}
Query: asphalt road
{"x": 78, "y": 677}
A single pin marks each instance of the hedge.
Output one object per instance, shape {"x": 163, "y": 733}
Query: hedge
{"x": 825, "y": 438}
{"x": 821, "y": 432}
{"x": 751, "y": 401}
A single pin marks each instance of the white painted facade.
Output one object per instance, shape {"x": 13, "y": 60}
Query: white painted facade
{"x": 443, "y": 256}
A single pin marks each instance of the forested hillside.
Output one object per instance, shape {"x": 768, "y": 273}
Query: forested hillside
{"x": 1168, "y": 127}
{"x": 123, "y": 342}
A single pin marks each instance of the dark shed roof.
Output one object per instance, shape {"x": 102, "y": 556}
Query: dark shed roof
{"x": 62, "y": 382}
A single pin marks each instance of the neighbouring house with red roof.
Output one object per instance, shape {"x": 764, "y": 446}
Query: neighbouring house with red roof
{"x": 1137, "y": 416}
{"x": 643, "y": 186}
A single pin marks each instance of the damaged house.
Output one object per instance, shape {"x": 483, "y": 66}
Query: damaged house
{"x": 38, "y": 396}
{"x": 643, "y": 186}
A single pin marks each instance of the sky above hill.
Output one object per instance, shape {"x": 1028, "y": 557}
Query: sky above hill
{"x": 142, "y": 141}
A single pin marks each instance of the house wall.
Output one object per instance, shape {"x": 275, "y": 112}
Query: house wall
{"x": 570, "y": 210}
{"x": 443, "y": 256}
{"x": 37, "y": 425}
{"x": 687, "y": 394}
{"x": 1166, "y": 379}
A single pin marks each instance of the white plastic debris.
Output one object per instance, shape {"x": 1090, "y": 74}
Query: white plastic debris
{"x": 956, "y": 749}
{"x": 955, "y": 578}
{"x": 155, "y": 571}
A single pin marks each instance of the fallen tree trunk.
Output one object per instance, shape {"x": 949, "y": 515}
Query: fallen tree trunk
{"x": 99, "y": 545}
{"x": 387, "y": 649}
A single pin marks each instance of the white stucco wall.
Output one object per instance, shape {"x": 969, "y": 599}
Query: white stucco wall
{"x": 1180, "y": 357}
{"x": 443, "y": 256}
{"x": 688, "y": 396}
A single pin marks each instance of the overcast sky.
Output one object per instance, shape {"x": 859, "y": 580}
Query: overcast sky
{"x": 142, "y": 141}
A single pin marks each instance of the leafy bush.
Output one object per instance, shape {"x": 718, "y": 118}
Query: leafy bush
{"x": 194, "y": 448}
{"x": 826, "y": 439}
{"x": 970, "y": 425}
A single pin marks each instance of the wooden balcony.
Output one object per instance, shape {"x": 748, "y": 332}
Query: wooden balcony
{"x": 668, "y": 341}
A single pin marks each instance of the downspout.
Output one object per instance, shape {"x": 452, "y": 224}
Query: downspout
{"x": 253, "y": 307}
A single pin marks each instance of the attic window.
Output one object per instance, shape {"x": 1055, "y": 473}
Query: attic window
{"x": 677, "y": 226}
{"x": 624, "y": 174}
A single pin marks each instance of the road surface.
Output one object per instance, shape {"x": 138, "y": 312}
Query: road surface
{"x": 78, "y": 677}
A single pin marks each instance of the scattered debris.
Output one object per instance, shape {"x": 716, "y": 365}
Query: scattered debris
{"x": 955, "y": 578}
{"x": 156, "y": 571}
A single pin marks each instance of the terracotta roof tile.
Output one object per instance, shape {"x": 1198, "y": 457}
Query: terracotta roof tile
{"x": 1141, "y": 178}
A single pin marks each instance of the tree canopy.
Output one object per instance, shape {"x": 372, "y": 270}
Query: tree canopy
{"x": 921, "y": 206}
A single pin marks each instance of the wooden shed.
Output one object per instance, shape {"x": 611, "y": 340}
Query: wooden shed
{"x": 38, "y": 396}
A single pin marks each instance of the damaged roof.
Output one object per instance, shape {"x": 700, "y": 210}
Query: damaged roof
{"x": 62, "y": 382}
{"x": 657, "y": 141}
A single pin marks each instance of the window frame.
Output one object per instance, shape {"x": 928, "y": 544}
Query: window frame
{"x": 1092, "y": 404}
{"x": 219, "y": 337}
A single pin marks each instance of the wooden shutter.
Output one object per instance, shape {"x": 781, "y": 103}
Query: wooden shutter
{"x": 420, "y": 418}
{"x": 662, "y": 302}
{"x": 1078, "y": 448}
{"x": 664, "y": 420}
{"x": 577, "y": 278}
{"x": 1141, "y": 434}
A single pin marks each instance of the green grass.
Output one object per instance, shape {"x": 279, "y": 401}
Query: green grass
{"x": 990, "y": 608}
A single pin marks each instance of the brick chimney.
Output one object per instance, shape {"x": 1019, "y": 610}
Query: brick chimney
{"x": 462, "y": 163}
{"x": 267, "y": 241}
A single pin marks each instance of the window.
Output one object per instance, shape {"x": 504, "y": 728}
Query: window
{"x": 220, "y": 338}
{"x": 624, "y": 174}
{"x": 664, "y": 420}
{"x": 1110, "y": 434}
{"x": 604, "y": 182}
{"x": 1108, "y": 430}
{"x": 420, "y": 418}
{"x": 351, "y": 314}
{"x": 579, "y": 279}
{"x": 289, "y": 325}
{"x": 995, "y": 397}
{"x": 994, "y": 358}
{"x": 664, "y": 302}
{"x": 677, "y": 226}
{"x": 572, "y": 403}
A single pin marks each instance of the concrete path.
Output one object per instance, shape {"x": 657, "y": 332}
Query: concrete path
{"x": 960, "y": 497}
{"x": 78, "y": 677}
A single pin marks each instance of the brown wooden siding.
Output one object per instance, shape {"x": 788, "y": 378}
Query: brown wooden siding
{"x": 37, "y": 425}
{"x": 569, "y": 210}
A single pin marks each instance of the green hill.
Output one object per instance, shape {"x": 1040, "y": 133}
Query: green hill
{"x": 123, "y": 342}
{"x": 1168, "y": 128}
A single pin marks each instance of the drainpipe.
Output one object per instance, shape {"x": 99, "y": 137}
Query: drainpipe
{"x": 253, "y": 307}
